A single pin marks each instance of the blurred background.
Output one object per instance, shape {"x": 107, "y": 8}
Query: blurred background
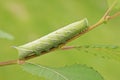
{"x": 22, "y": 21}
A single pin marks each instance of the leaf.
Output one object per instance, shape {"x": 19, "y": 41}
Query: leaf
{"x": 6, "y": 35}
{"x": 73, "y": 72}
{"x": 103, "y": 51}
{"x": 110, "y": 2}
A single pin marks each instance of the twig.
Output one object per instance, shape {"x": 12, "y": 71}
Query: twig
{"x": 11, "y": 62}
{"x": 105, "y": 18}
{"x": 109, "y": 10}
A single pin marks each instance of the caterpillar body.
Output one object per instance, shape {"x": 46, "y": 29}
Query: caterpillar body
{"x": 53, "y": 40}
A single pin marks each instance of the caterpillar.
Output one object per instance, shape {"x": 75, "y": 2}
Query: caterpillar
{"x": 53, "y": 40}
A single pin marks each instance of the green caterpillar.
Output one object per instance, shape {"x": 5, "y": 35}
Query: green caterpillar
{"x": 53, "y": 40}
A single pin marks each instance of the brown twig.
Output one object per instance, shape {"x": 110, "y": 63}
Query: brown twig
{"x": 11, "y": 62}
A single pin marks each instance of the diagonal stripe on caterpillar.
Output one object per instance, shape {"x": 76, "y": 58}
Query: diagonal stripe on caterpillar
{"x": 53, "y": 40}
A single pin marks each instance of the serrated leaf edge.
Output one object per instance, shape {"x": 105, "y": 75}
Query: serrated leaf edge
{"x": 49, "y": 70}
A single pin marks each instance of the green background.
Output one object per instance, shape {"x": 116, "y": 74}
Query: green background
{"x": 28, "y": 20}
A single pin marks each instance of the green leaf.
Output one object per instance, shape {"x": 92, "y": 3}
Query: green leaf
{"x": 103, "y": 51}
{"x": 110, "y": 2}
{"x": 73, "y": 72}
{"x": 6, "y": 35}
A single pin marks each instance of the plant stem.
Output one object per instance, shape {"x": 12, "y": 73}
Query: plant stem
{"x": 105, "y": 18}
{"x": 109, "y": 9}
{"x": 11, "y": 62}
{"x": 68, "y": 47}
{"x": 115, "y": 15}
{"x": 91, "y": 46}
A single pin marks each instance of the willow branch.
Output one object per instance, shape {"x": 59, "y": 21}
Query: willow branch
{"x": 109, "y": 10}
{"x": 105, "y": 17}
{"x": 11, "y": 62}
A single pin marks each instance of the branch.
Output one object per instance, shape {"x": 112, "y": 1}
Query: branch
{"x": 11, "y": 62}
{"x": 105, "y": 18}
{"x": 109, "y": 10}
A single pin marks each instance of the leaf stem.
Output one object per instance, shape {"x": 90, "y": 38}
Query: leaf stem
{"x": 91, "y": 46}
{"x": 115, "y": 15}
